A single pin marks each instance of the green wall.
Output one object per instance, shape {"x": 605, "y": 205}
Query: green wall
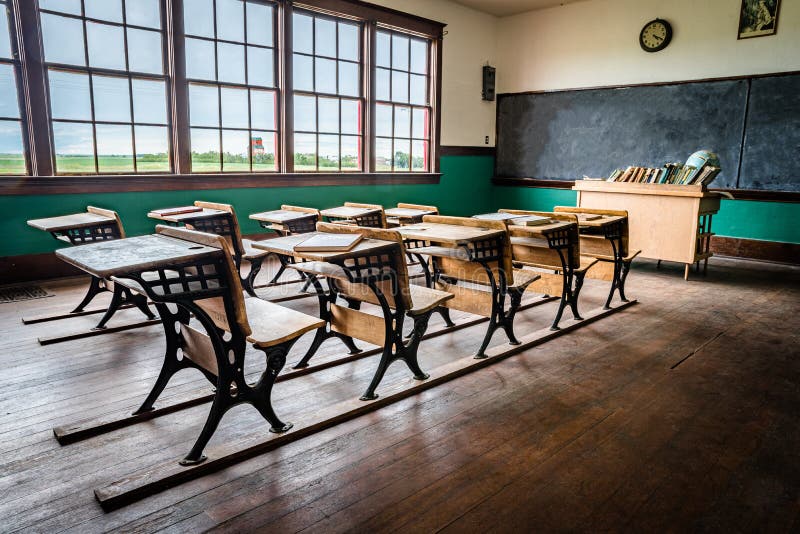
{"x": 747, "y": 219}
{"x": 465, "y": 189}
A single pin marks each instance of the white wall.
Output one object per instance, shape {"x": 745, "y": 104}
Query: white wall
{"x": 470, "y": 43}
{"x": 595, "y": 43}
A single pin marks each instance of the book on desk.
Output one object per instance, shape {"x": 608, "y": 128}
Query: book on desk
{"x": 328, "y": 243}
{"x": 166, "y": 212}
{"x": 530, "y": 220}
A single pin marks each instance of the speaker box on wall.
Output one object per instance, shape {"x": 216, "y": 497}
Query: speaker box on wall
{"x": 488, "y": 82}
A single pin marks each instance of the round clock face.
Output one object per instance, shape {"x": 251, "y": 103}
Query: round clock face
{"x": 655, "y": 35}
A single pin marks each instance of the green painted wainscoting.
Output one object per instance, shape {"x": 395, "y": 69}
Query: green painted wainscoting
{"x": 743, "y": 219}
{"x": 465, "y": 189}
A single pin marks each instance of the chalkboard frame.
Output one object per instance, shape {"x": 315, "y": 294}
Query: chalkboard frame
{"x": 743, "y": 194}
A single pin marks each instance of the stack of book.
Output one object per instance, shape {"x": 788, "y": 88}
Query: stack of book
{"x": 671, "y": 173}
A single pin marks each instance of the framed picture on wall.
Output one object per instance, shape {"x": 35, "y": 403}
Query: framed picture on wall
{"x": 758, "y": 18}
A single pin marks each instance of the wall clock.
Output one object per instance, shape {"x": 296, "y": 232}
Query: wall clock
{"x": 655, "y": 35}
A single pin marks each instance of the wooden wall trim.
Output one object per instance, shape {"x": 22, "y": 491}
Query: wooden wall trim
{"x": 450, "y": 150}
{"x": 32, "y": 267}
{"x": 738, "y": 194}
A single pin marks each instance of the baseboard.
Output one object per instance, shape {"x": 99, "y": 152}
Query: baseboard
{"x": 44, "y": 266}
{"x": 756, "y": 249}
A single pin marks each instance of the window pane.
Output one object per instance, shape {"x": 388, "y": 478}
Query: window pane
{"x": 325, "y": 75}
{"x": 325, "y": 39}
{"x": 302, "y": 30}
{"x": 402, "y": 149}
{"x": 198, "y": 17}
{"x": 305, "y": 152}
{"x": 110, "y": 10}
{"x": 262, "y": 110}
{"x": 111, "y": 99}
{"x": 143, "y": 13}
{"x": 351, "y": 153}
{"x": 12, "y": 159}
{"x": 149, "y": 102}
{"x": 152, "y": 148}
{"x": 402, "y": 121}
{"x": 263, "y": 146}
{"x": 383, "y": 120}
{"x": 69, "y": 95}
{"x": 9, "y": 102}
{"x": 329, "y": 152}
{"x": 5, "y": 39}
{"x": 203, "y": 105}
{"x": 419, "y": 93}
{"x": 382, "y": 84}
{"x": 63, "y": 40}
{"x": 383, "y": 154}
{"x": 419, "y": 56}
{"x": 230, "y": 20}
{"x": 419, "y": 156}
{"x": 259, "y": 24}
{"x": 106, "y": 46}
{"x": 234, "y": 108}
{"x": 399, "y": 86}
{"x": 383, "y": 50}
{"x": 74, "y": 147}
{"x": 65, "y": 6}
{"x": 419, "y": 123}
{"x": 351, "y": 116}
{"x": 303, "y": 71}
{"x": 305, "y": 113}
{"x": 235, "y": 151}
{"x": 348, "y": 79}
{"x": 260, "y": 69}
{"x": 144, "y": 51}
{"x": 230, "y": 62}
{"x": 205, "y": 150}
{"x": 114, "y": 148}
{"x": 348, "y": 41}
{"x": 328, "y": 115}
{"x": 399, "y": 52}
{"x": 200, "y": 59}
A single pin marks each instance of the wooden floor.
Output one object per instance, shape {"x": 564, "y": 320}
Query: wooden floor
{"x": 679, "y": 413}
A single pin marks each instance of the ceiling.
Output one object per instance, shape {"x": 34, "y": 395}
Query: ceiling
{"x": 502, "y": 8}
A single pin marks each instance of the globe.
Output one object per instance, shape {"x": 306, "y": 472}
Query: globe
{"x": 703, "y": 157}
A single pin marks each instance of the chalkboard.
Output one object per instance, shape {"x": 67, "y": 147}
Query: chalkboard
{"x": 771, "y": 156}
{"x": 568, "y": 134}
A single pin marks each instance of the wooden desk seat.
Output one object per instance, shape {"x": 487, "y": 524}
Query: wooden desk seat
{"x": 211, "y": 291}
{"x": 379, "y": 278}
{"x": 609, "y": 244}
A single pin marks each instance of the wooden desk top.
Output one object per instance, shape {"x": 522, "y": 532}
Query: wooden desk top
{"x": 180, "y": 217}
{"x": 285, "y": 246}
{"x": 281, "y": 216}
{"x": 497, "y": 216}
{"x": 604, "y": 220}
{"x": 347, "y": 212}
{"x": 407, "y": 213}
{"x": 68, "y": 222}
{"x": 451, "y": 234}
{"x": 540, "y": 230}
{"x": 133, "y": 254}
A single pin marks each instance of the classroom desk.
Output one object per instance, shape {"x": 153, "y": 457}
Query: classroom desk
{"x": 187, "y": 218}
{"x": 367, "y": 267}
{"x": 463, "y": 245}
{"x": 404, "y": 216}
{"x": 286, "y": 222}
{"x": 80, "y": 229}
{"x": 348, "y": 213}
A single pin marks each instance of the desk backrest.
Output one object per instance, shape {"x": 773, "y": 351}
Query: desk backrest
{"x": 108, "y": 213}
{"x": 301, "y": 226}
{"x": 500, "y": 249}
{"x": 596, "y": 211}
{"x": 222, "y": 316}
{"x": 375, "y": 220}
{"x": 546, "y": 255}
{"x": 225, "y": 225}
{"x": 395, "y": 260}
{"x": 433, "y": 209}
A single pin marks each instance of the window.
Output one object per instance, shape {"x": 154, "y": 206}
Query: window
{"x": 12, "y": 148}
{"x": 106, "y": 84}
{"x": 403, "y": 107}
{"x": 326, "y": 68}
{"x": 233, "y": 96}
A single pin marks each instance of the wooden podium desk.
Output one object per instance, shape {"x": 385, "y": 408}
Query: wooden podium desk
{"x": 666, "y": 222}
